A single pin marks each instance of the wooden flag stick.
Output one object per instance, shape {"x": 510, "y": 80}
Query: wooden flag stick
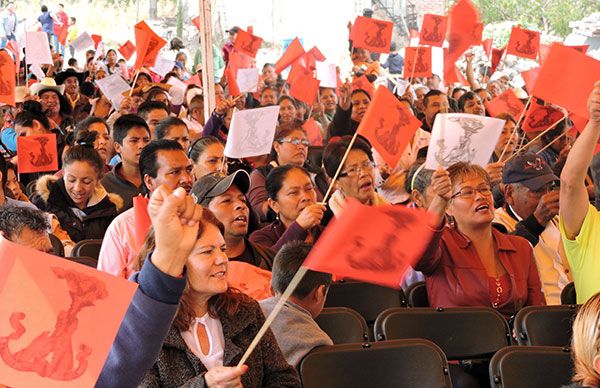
{"x": 137, "y": 73}
{"x": 535, "y": 138}
{"x": 282, "y": 299}
{"x": 339, "y": 169}
{"x": 412, "y": 71}
{"x": 516, "y": 127}
{"x": 552, "y": 142}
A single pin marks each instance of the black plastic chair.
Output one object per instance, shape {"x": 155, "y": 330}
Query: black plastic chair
{"x": 568, "y": 295}
{"x": 343, "y": 325}
{"x": 399, "y": 363}
{"x": 367, "y": 299}
{"x": 545, "y": 325}
{"x": 461, "y": 332}
{"x": 89, "y": 261}
{"x": 531, "y": 367}
{"x": 416, "y": 295}
{"x": 89, "y": 248}
{"x": 57, "y": 247}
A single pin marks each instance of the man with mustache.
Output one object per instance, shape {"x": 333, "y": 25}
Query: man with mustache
{"x": 434, "y": 102}
{"x": 471, "y": 103}
{"x": 161, "y": 162}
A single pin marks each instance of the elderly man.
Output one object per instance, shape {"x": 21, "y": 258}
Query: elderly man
{"x": 434, "y": 102}
{"x": 54, "y": 103}
{"x": 25, "y": 226}
{"x": 77, "y": 101}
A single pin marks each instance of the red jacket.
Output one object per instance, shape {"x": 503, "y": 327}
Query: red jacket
{"x": 456, "y": 277}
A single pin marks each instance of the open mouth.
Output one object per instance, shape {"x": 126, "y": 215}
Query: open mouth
{"x": 241, "y": 219}
{"x": 219, "y": 275}
{"x": 482, "y": 208}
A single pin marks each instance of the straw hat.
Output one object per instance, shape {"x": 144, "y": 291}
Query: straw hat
{"x": 46, "y": 84}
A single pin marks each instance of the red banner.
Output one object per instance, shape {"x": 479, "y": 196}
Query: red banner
{"x": 421, "y": 67}
{"x": 148, "y": 44}
{"x": 523, "y": 43}
{"x": 232, "y": 86}
{"x": 196, "y": 22}
{"x": 142, "y": 219}
{"x": 372, "y": 34}
{"x": 433, "y": 30}
{"x": 37, "y": 153}
{"x": 247, "y": 43}
{"x": 305, "y": 88}
{"x": 507, "y": 102}
{"x": 313, "y": 132}
{"x": 127, "y": 50}
{"x": 540, "y": 117}
{"x": 7, "y": 79}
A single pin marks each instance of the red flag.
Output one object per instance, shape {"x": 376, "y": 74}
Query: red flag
{"x": 451, "y": 72}
{"x": 232, "y": 86}
{"x": 464, "y": 20}
{"x": 540, "y": 117}
{"x": 196, "y": 22}
{"x": 507, "y": 102}
{"x": 496, "y": 57}
{"x": 142, "y": 219}
{"x": 477, "y": 34}
{"x": 545, "y": 50}
{"x": 37, "y": 153}
{"x": 372, "y": 34}
{"x": 313, "y": 132}
{"x": 148, "y": 44}
{"x": 238, "y": 60}
{"x": 7, "y": 79}
{"x": 97, "y": 39}
{"x": 49, "y": 312}
{"x": 297, "y": 71}
{"x": 530, "y": 77}
{"x": 305, "y": 88}
{"x": 579, "y": 122}
{"x": 313, "y": 55}
{"x": 194, "y": 80}
{"x": 376, "y": 244}
{"x": 487, "y": 46}
{"x": 251, "y": 280}
{"x": 523, "y": 43}
{"x": 14, "y": 48}
{"x": 433, "y": 30}
{"x": 127, "y": 50}
{"x": 567, "y": 78}
{"x": 388, "y": 125}
{"x": 62, "y": 36}
{"x": 422, "y": 66}
{"x": 293, "y": 52}
{"x": 247, "y": 43}
{"x": 363, "y": 83}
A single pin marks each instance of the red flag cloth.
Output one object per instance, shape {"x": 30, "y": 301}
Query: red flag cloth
{"x": 477, "y": 34}
{"x": 52, "y": 335}
{"x": 232, "y": 86}
{"x": 196, "y": 22}
{"x": 388, "y": 125}
{"x": 375, "y": 244}
{"x": 142, "y": 219}
{"x": 312, "y": 56}
{"x": 433, "y": 30}
{"x": 97, "y": 39}
{"x": 507, "y": 102}
{"x": 247, "y": 43}
{"x": 464, "y": 20}
{"x": 530, "y": 77}
{"x": 363, "y": 83}
{"x": 545, "y": 50}
{"x": 13, "y": 46}
{"x": 127, "y": 50}
{"x": 291, "y": 54}
{"x": 451, "y": 73}
{"x": 297, "y": 71}
{"x": 238, "y": 60}
{"x": 372, "y": 34}
{"x": 251, "y": 280}
{"x": 305, "y": 88}
{"x": 62, "y": 36}
{"x": 540, "y": 117}
{"x": 313, "y": 132}
{"x": 487, "y": 46}
{"x": 7, "y": 79}
{"x": 37, "y": 153}
{"x": 148, "y": 44}
{"x": 567, "y": 78}
{"x": 194, "y": 80}
{"x": 496, "y": 57}
{"x": 413, "y": 38}
{"x": 523, "y": 43}
{"x": 422, "y": 66}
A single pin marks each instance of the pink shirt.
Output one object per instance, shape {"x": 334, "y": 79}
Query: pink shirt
{"x": 119, "y": 246}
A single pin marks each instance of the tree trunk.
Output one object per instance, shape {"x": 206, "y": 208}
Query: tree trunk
{"x": 152, "y": 11}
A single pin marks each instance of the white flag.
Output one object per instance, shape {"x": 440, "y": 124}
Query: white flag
{"x": 327, "y": 74}
{"x": 247, "y": 80}
{"x": 37, "y": 49}
{"x": 162, "y": 66}
{"x": 82, "y": 42}
{"x": 251, "y": 132}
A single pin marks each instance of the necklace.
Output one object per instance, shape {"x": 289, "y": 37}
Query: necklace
{"x": 497, "y": 280}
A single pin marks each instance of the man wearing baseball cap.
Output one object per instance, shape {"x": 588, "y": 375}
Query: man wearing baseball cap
{"x": 225, "y": 196}
{"x": 531, "y": 211}
{"x": 228, "y": 47}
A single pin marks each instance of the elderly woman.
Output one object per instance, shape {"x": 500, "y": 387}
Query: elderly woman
{"x": 585, "y": 345}
{"x": 214, "y": 326}
{"x": 293, "y": 198}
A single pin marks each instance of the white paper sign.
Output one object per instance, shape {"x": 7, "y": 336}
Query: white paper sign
{"x": 37, "y": 71}
{"x": 100, "y": 52}
{"x": 327, "y": 74}
{"x": 37, "y": 49}
{"x": 461, "y": 137}
{"x": 82, "y": 42}
{"x": 251, "y": 132}
{"x": 113, "y": 87}
{"x": 177, "y": 91}
{"x": 162, "y": 66}
{"x": 247, "y": 80}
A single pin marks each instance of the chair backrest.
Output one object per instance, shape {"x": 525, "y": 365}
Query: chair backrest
{"x": 367, "y": 299}
{"x": 568, "y": 295}
{"x": 57, "y": 246}
{"x": 416, "y": 295}
{"x": 89, "y": 248}
{"x": 343, "y": 325}
{"x": 89, "y": 261}
{"x": 461, "y": 332}
{"x": 531, "y": 367}
{"x": 545, "y": 325}
{"x": 400, "y": 363}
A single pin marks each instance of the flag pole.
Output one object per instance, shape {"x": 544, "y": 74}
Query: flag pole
{"x": 414, "y": 64}
{"x": 208, "y": 82}
{"x": 339, "y": 169}
{"x": 516, "y": 127}
{"x": 552, "y": 142}
{"x": 137, "y": 73}
{"x": 518, "y": 151}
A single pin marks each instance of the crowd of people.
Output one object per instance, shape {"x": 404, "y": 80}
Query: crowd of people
{"x": 510, "y": 234}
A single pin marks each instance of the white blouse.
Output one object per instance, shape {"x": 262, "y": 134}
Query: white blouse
{"x": 216, "y": 341}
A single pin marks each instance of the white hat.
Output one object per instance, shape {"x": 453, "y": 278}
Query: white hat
{"x": 20, "y": 93}
{"x": 46, "y": 84}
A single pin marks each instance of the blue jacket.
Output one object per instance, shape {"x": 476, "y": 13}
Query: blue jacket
{"x": 394, "y": 63}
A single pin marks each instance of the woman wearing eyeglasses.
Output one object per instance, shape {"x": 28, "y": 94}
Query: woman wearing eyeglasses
{"x": 290, "y": 147}
{"x": 470, "y": 263}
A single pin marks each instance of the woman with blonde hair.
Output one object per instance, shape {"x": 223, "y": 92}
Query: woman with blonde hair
{"x": 586, "y": 345}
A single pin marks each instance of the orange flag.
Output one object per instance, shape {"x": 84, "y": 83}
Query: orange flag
{"x": 142, "y": 219}
{"x": 251, "y": 280}
{"x": 232, "y": 86}
{"x": 530, "y": 77}
{"x": 148, "y": 44}
{"x": 313, "y": 132}
{"x": 422, "y": 66}
{"x": 7, "y": 79}
{"x": 291, "y": 54}
{"x": 305, "y": 88}
{"x": 14, "y": 48}
{"x": 507, "y": 102}
{"x": 433, "y": 31}
{"x": 567, "y": 78}
{"x": 37, "y": 153}
{"x": 97, "y": 39}
{"x": 363, "y": 83}
{"x": 312, "y": 56}
{"x": 247, "y": 43}
{"x": 523, "y": 43}
{"x": 496, "y": 57}
{"x": 127, "y": 50}
{"x": 545, "y": 50}
{"x": 464, "y": 20}
{"x": 540, "y": 117}
{"x": 477, "y": 34}
{"x": 238, "y": 60}
{"x": 375, "y": 244}
{"x": 297, "y": 71}
{"x": 487, "y": 46}
{"x": 372, "y": 34}
{"x": 196, "y": 22}
{"x": 51, "y": 333}
{"x": 388, "y": 125}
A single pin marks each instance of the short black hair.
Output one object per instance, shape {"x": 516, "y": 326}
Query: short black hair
{"x": 84, "y": 152}
{"x": 44, "y": 8}
{"x": 14, "y": 219}
{"x": 84, "y": 125}
{"x": 463, "y": 99}
{"x": 274, "y": 181}
{"x": 163, "y": 128}
{"x": 72, "y": 62}
{"x": 32, "y": 110}
{"x": 431, "y": 93}
{"x": 199, "y": 145}
{"x": 149, "y": 155}
{"x": 334, "y": 153}
{"x": 126, "y": 122}
{"x": 148, "y": 106}
{"x": 285, "y": 265}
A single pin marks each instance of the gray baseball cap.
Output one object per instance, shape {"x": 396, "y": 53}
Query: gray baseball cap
{"x": 215, "y": 184}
